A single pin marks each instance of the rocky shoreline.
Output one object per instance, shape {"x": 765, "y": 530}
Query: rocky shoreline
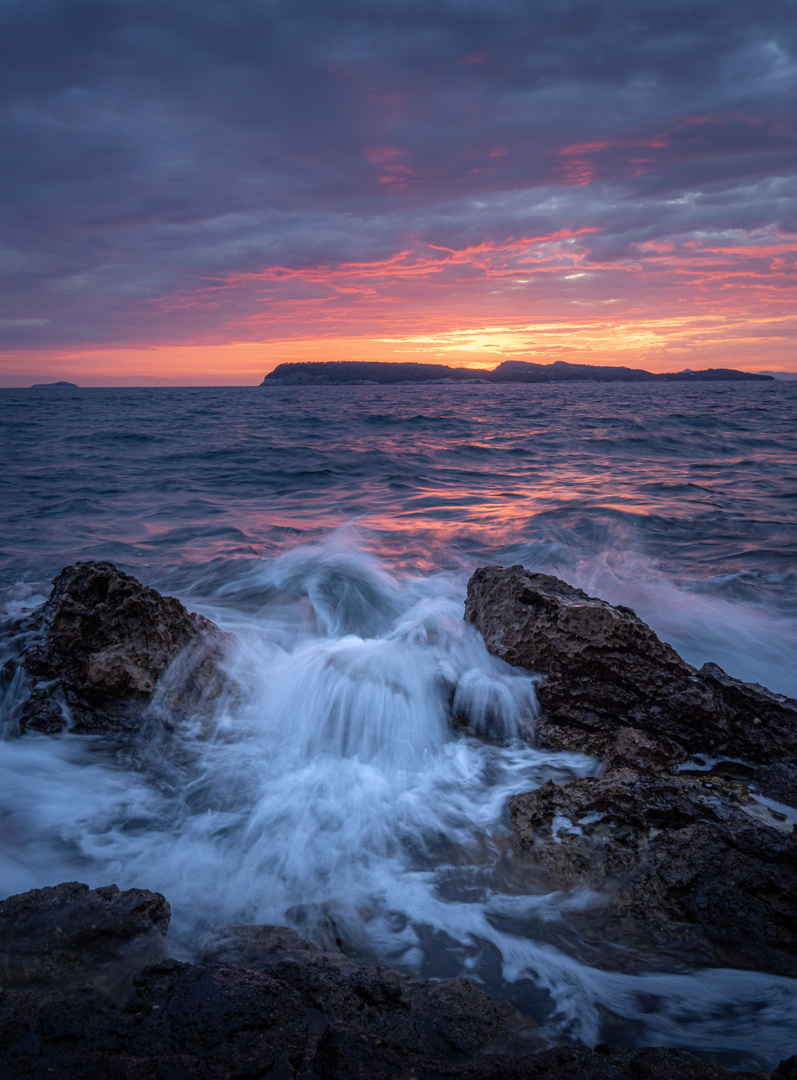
{"x": 679, "y": 835}
{"x": 686, "y": 840}
{"x": 86, "y": 995}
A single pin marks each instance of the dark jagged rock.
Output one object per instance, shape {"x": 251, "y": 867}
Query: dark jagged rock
{"x": 103, "y": 646}
{"x": 342, "y": 1056}
{"x": 183, "y": 1021}
{"x": 58, "y": 934}
{"x": 293, "y": 1010}
{"x": 218, "y": 1021}
{"x": 612, "y": 688}
{"x": 680, "y": 861}
{"x": 602, "y": 826}
{"x": 434, "y": 1018}
{"x": 731, "y": 884}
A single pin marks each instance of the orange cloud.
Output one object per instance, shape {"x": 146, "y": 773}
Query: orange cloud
{"x": 662, "y": 343}
{"x": 694, "y": 301}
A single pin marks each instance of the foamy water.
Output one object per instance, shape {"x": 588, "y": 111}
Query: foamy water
{"x": 333, "y": 792}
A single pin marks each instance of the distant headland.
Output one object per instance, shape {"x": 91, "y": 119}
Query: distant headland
{"x": 364, "y": 372}
{"x": 50, "y": 385}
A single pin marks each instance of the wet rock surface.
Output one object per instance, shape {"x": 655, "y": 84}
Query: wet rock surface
{"x": 452, "y": 1017}
{"x": 58, "y": 934}
{"x": 104, "y": 647}
{"x": 693, "y": 866}
{"x": 685, "y": 865}
{"x": 680, "y": 864}
{"x": 606, "y": 673}
{"x": 272, "y": 1005}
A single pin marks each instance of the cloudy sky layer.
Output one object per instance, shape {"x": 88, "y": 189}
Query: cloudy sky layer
{"x": 194, "y": 191}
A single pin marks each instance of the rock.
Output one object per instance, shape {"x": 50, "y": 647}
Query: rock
{"x": 219, "y": 1021}
{"x": 537, "y": 621}
{"x": 595, "y": 829}
{"x": 341, "y": 1056}
{"x": 213, "y": 1022}
{"x": 607, "y": 673}
{"x": 731, "y": 885}
{"x": 454, "y": 1016}
{"x": 183, "y": 1021}
{"x": 685, "y": 865}
{"x": 680, "y": 862}
{"x": 294, "y": 1010}
{"x": 58, "y": 935}
{"x": 106, "y": 643}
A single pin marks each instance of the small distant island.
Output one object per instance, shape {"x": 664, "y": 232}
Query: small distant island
{"x": 364, "y": 372}
{"x": 50, "y": 385}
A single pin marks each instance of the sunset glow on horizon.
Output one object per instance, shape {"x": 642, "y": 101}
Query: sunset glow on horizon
{"x": 197, "y": 196}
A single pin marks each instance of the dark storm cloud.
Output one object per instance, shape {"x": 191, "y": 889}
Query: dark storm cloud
{"x": 152, "y": 149}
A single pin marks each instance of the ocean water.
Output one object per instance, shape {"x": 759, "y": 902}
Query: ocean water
{"x": 333, "y": 531}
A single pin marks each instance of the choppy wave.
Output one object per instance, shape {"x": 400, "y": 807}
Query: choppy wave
{"x": 356, "y": 788}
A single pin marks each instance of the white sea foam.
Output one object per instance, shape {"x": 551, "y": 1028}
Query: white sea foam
{"x": 336, "y": 796}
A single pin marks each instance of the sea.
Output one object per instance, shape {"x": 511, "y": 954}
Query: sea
{"x": 332, "y": 531}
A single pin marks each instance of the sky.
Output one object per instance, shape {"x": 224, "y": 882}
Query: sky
{"x": 194, "y": 191}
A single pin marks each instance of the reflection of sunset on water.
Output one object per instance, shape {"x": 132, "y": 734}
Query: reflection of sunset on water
{"x": 332, "y": 530}
{"x": 430, "y": 474}
{"x": 595, "y": 199}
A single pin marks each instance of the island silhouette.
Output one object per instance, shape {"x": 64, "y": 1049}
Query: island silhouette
{"x": 354, "y": 372}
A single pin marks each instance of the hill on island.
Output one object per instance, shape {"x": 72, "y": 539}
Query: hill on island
{"x": 359, "y": 372}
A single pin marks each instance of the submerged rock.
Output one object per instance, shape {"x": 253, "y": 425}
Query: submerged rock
{"x": 273, "y": 1005}
{"x": 613, "y": 689}
{"x": 105, "y": 643}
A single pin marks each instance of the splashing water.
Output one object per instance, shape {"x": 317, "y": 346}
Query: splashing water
{"x": 335, "y": 795}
